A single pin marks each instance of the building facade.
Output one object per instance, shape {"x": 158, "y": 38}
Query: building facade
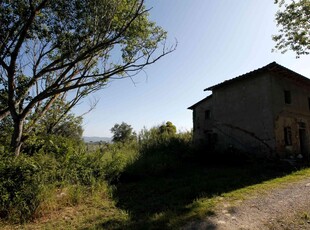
{"x": 265, "y": 112}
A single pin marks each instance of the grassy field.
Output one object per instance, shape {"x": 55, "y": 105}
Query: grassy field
{"x": 164, "y": 199}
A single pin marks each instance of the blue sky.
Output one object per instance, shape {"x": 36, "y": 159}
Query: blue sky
{"x": 217, "y": 40}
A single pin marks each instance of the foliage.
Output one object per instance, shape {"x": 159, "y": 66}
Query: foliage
{"x": 159, "y": 181}
{"x": 6, "y": 130}
{"x": 160, "y": 152}
{"x": 122, "y": 133}
{"x": 75, "y": 207}
{"x": 59, "y": 121}
{"x": 56, "y": 129}
{"x": 168, "y": 202}
{"x": 19, "y": 188}
{"x": 191, "y": 190}
{"x": 162, "y": 137}
{"x": 52, "y": 144}
{"x": 59, "y": 170}
{"x": 85, "y": 168}
{"x": 294, "y": 22}
{"x": 50, "y": 48}
{"x": 58, "y": 163}
{"x": 168, "y": 128}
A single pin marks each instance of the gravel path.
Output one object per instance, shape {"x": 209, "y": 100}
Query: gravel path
{"x": 281, "y": 208}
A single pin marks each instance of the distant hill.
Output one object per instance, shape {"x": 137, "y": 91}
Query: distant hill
{"x": 97, "y": 139}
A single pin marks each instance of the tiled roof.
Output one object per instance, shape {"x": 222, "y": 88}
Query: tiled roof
{"x": 272, "y": 67}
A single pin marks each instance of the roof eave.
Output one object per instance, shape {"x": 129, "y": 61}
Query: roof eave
{"x": 194, "y": 105}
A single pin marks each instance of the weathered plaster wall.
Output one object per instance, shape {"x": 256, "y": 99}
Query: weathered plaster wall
{"x": 200, "y": 123}
{"x": 243, "y": 114}
{"x": 251, "y": 115}
{"x": 290, "y": 115}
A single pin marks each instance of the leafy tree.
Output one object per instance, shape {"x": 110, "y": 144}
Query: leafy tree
{"x": 48, "y": 48}
{"x": 168, "y": 128}
{"x": 58, "y": 124}
{"x": 122, "y": 132}
{"x": 58, "y": 121}
{"x": 294, "y": 21}
{"x": 6, "y": 131}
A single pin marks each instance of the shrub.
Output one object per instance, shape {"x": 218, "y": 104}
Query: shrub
{"x": 19, "y": 188}
{"x": 52, "y": 144}
{"x": 56, "y": 164}
{"x": 117, "y": 159}
{"x": 160, "y": 153}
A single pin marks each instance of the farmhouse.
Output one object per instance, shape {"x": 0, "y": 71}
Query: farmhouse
{"x": 265, "y": 112}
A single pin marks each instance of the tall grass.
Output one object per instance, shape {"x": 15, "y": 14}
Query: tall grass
{"x": 159, "y": 153}
{"x": 155, "y": 182}
{"x": 55, "y": 171}
{"x": 20, "y": 186}
{"x": 58, "y": 174}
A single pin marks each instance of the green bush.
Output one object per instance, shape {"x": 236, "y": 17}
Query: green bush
{"x": 52, "y": 144}
{"x": 19, "y": 188}
{"x": 117, "y": 158}
{"x": 80, "y": 167}
{"x": 155, "y": 141}
{"x": 24, "y": 180}
{"x": 55, "y": 163}
{"x": 160, "y": 153}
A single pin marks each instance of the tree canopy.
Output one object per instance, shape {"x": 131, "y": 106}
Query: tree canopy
{"x": 122, "y": 132}
{"x": 168, "y": 128}
{"x": 293, "y": 18}
{"x": 49, "y": 48}
{"x": 59, "y": 121}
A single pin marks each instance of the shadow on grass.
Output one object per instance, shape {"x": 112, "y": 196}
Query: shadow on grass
{"x": 163, "y": 191}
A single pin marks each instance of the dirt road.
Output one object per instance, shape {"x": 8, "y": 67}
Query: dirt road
{"x": 286, "y": 207}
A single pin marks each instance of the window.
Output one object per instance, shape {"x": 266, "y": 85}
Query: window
{"x": 287, "y": 97}
{"x": 207, "y": 114}
{"x": 288, "y": 136}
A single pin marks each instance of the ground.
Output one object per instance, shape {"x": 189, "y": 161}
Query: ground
{"x": 189, "y": 196}
{"x": 285, "y": 207}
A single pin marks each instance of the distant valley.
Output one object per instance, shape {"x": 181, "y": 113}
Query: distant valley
{"x": 97, "y": 139}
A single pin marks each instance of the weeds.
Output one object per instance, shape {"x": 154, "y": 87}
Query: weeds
{"x": 157, "y": 182}
{"x": 305, "y": 216}
{"x": 20, "y": 187}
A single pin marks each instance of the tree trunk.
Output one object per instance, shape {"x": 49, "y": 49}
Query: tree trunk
{"x": 16, "y": 141}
